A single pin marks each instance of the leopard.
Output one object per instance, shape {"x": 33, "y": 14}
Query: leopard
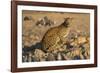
{"x": 55, "y": 37}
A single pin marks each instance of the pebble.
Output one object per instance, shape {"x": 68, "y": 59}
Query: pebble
{"x": 59, "y": 57}
{"x": 51, "y": 57}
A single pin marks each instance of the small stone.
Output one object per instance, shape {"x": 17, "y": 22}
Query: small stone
{"x": 25, "y": 58}
{"x": 59, "y": 57}
{"x": 30, "y": 57}
{"x": 39, "y": 55}
{"x": 51, "y": 57}
{"x": 76, "y": 57}
{"x": 65, "y": 57}
{"x": 81, "y": 40}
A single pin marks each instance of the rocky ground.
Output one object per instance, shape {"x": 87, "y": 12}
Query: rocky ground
{"x": 76, "y": 49}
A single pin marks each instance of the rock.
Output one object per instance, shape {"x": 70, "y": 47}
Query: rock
{"x": 86, "y": 50}
{"x": 76, "y": 57}
{"x": 65, "y": 57}
{"x": 81, "y": 56}
{"x": 39, "y": 55}
{"x": 26, "y": 18}
{"x": 51, "y": 57}
{"x": 24, "y": 58}
{"x": 59, "y": 56}
{"x": 81, "y": 40}
{"x": 76, "y": 52}
{"x": 30, "y": 57}
{"x": 74, "y": 43}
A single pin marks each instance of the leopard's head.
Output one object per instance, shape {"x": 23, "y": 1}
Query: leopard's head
{"x": 67, "y": 21}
